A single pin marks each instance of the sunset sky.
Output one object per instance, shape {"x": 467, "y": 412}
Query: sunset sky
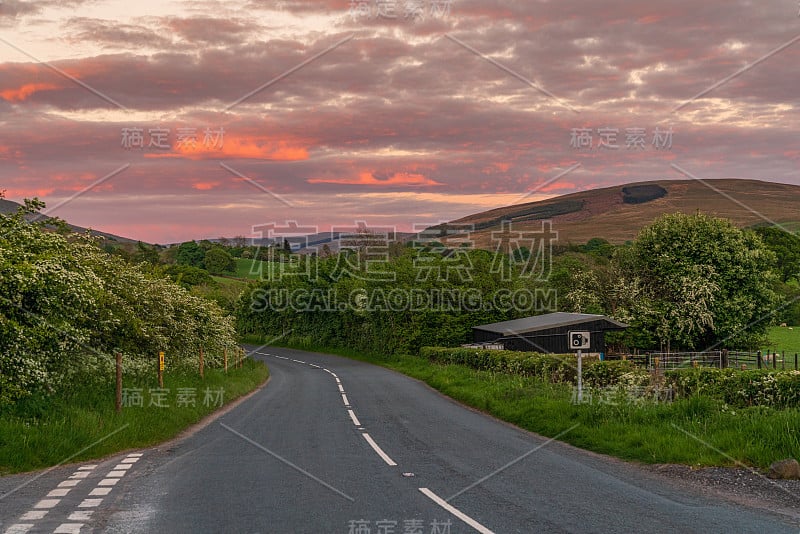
{"x": 395, "y": 113}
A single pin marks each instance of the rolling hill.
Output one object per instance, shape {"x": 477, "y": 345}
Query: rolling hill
{"x": 618, "y": 213}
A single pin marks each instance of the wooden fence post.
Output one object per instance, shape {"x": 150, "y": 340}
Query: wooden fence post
{"x": 758, "y": 359}
{"x": 118, "y": 401}
{"x": 225, "y": 358}
{"x": 774, "y": 360}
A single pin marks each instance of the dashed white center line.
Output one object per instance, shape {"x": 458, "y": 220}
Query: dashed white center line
{"x": 59, "y": 492}
{"x": 80, "y": 474}
{"x": 353, "y": 417}
{"x": 378, "y": 450}
{"x": 129, "y": 461}
{"x": 108, "y": 482}
{"x": 122, "y": 466}
{"x": 68, "y": 528}
{"x": 47, "y": 503}
{"x": 19, "y": 528}
{"x": 90, "y": 503}
{"x": 99, "y": 492}
{"x": 116, "y": 474}
{"x": 33, "y": 515}
{"x": 455, "y": 511}
{"x": 68, "y": 484}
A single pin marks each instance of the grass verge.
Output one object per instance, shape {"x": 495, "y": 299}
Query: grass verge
{"x": 40, "y": 432}
{"x": 697, "y": 431}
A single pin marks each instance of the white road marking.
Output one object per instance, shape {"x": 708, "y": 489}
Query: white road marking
{"x": 47, "y": 503}
{"x": 61, "y": 492}
{"x": 378, "y": 450}
{"x": 344, "y": 398}
{"x": 129, "y": 461}
{"x": 68, "y": 484}
{"x": 455, "y": 511}
{"x": 87, "y": 467}
{"x": 353, "y": 417}
{"x": 116, "y": 474}
{"x": 19, "y": 528}
{"x": 33, "y": 515}
{"x": 80, "y": 474}
{"x": 317, "y": 366}
{"x": 337, "y": 380}
{"x": 90, "y": 503}
{"x": 135, "y": 455}
{"x": 341, "y": 389}
{"x": 68, "y": 528}
{"x": 108, "y": 482}
{"x": 122, "y": 466}
{"x": 83, "y": 515}
{"x": 99, "y": 492}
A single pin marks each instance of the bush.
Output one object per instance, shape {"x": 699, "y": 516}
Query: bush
{"x": 778, "y": 389}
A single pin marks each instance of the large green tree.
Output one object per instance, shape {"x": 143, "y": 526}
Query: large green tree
{"x": 694, "y": 282}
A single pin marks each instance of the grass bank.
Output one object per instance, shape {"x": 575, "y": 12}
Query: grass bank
{"x": 40, "y": 432}
{"x": 696, "y": 431}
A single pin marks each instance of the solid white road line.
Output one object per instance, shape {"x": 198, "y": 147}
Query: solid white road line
{"x": 455, "y": 511}
{"x": 378, "y": 450}
{"x": 353, "y": 417}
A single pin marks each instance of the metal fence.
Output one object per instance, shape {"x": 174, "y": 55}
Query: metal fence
{"x": 720, "y": 359}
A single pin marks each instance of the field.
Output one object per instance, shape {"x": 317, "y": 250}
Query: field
{"x": 783, "y": 339}
{"x": 249, "y": 269}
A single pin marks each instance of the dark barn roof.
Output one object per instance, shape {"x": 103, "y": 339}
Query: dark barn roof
{"x": 548, "y": 321}
{"x": 547, "y": 333}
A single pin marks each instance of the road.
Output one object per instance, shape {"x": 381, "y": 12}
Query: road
{"x": 340, "y": 446}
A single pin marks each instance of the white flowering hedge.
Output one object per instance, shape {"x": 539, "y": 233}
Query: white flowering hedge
{"x": 66, "y": 307}
{"x": 778, "y": 389}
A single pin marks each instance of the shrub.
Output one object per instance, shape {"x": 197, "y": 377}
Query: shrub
{"x": 778, "y": 389}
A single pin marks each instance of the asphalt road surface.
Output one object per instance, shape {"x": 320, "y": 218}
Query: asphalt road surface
{"x": 340, "y": 446}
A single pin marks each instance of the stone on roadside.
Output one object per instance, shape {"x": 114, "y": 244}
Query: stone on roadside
{"x": 788, "y": 469}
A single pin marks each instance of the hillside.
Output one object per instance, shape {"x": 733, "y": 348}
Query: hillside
{"x": 8, "y": 207}
{"x": 617, "y": 213}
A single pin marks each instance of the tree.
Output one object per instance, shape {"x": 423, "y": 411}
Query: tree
{"x": 786, "y": 247}
{"x": 695, "y": 282}
{"x": 218, "y": 261}
{"x": 190, "y": 253}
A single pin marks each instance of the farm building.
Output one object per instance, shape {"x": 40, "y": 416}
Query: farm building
{"x": 546, "y": 333}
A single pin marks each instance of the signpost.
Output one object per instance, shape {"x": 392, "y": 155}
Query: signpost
{"x": 579, "y": 340}
{"x": 161, "y": 369}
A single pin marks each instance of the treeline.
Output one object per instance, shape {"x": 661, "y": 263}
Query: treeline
{"x": 686, "y": 282}
{"x": 66, "y": 307}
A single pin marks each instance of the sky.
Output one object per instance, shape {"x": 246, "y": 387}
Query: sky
{"x": 167, "y": 121}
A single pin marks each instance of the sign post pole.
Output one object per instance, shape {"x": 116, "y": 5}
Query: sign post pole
{"x": 579, "y": 341}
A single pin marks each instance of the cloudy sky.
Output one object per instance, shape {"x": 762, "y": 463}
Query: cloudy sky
{"x": 166, "y": 121}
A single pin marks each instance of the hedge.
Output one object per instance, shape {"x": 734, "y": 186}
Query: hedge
{"x": 779, "y": 389}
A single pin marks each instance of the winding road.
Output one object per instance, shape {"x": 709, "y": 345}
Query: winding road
{"x": 341, "y": 446}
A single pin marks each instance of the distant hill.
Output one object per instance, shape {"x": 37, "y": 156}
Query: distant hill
{"x": 618, "y": 213}
{"x": 8, "y": 206}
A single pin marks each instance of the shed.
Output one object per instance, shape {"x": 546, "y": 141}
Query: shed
{"x": 547, "y": 333}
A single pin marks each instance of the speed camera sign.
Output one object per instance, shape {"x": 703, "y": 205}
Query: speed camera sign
{"x": 579, "y": 340}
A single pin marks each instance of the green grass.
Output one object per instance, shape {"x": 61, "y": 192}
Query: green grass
{"x": 248, "y": 268}
{"x": 783, "y": 339}
{"x": 45, "y": 431}
{"x": 697, "y": 431}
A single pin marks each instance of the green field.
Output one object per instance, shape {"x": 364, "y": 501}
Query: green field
{"x": 783, "y": 339}
{"x": 249, "y": 269}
